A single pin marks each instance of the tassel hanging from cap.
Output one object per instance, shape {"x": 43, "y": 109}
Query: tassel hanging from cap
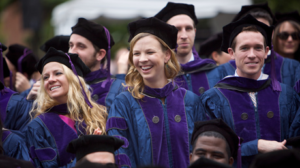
{"x": 25, "y": 53}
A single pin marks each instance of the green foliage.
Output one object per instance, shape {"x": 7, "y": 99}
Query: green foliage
{"x": 281, "y": 5}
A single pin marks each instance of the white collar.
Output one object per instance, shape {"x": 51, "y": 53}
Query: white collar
{"x": 261, "y": 77}
{"x": 192, "y": 58}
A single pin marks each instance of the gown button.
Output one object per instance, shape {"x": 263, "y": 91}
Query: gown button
{"x": 177, "y": 118}
{"x": 201, "y": 90}
{"x": 155, "y": 119}
{"x": 244, "y": 116}
{"x": 95, "y": 97}
{"x": 270, "y": 114}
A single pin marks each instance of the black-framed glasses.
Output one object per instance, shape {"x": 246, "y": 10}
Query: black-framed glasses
{"x": 285, "y": 35}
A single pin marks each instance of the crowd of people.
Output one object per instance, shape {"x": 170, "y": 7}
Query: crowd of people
{"x": 235, "y": 104}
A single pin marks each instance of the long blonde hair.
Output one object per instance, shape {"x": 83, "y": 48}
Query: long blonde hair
{"x": 134, "y": 80}
{"x": 79, "y": 111}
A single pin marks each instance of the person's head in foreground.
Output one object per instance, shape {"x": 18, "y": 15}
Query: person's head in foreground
{"x": 214, "y": 140}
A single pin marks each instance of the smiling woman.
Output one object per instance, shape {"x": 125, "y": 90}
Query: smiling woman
{"x": 63, "y": 110}
{"x": 155, "y": 117}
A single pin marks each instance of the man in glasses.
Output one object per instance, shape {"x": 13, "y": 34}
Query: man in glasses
{"x": 285, "y": 69}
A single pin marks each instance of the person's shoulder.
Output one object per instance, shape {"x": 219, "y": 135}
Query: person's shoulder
{"x": 291, "y": 62}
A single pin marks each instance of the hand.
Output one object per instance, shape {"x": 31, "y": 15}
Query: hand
{"x": 269, "y": 146}
{"x": 34, "y": 90}
{"x": 123, "y": 63}
{"x": 97, "y": 132}
{"x": 22, "y": 83}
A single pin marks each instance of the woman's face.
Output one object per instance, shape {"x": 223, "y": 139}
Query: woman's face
{"x": 149, "y": 59}
{"x": 55, "y": 82}
{"x": 287, "y": 46}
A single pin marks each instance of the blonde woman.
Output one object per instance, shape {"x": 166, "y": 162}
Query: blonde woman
{"x": 63, "y": 110}
{"x": 155, "y": 117}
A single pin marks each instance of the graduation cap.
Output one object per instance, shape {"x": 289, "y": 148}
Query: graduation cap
{"x": 277, "y": 159}
{"x": 98, "y": 35}
{"x": 85, "y": 163}
{"x": 218, "y": 125}
{"x": 173, "y": 9}
{"x": 57, "y": 42}
{"x": 152, "y": 25}
{"x": 281, "y": 17}
{"x": 210, "y": 45}
{"x": 231, "y": 30}
{"x": 207, "y": 163}
{"x": 72, "y": 61}
{"x": 22, "y": 58}
{"x": 94, "y": 143}
{"x": 8, "y": 162}
{"x": 247, "y": 9}
{"x": 294, "y": 142}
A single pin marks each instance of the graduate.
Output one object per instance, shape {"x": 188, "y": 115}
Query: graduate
{"x": 20, "y": 61}
{"x": 63, "y": 110}
{"x": 284, "y": 68}
{"x": 196, "y": 75}
{"x": 211, "y": 48}
{"x": 96, "y": 149}
{"x": 286, "y": 39}
{"x": 155, "y": 117}
{"x": 259, "y": 109}
{"x": 92, "y": 42}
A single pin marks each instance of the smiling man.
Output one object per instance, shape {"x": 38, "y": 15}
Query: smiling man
{"x": 261, "y": 111}
{"x": 197, "y": 74}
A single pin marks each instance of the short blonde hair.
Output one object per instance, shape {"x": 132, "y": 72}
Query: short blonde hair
{"x": 79, "y": 111}
{"x": 134, "y": 80}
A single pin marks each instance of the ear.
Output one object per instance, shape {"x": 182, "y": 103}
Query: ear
{"x": 100, "y": 54}
{"x": 191, "y": 155}
{"x": 231, "y": 160}
{"x": 267, "y": 51}
{"x": 214, "y": 56}
{"x": 168, "y": 56}
{"x": 231, "y": 53}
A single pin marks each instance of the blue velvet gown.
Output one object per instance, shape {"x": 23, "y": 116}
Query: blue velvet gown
{"x": 276, "y": 116}
{"x": 153, "y": 132}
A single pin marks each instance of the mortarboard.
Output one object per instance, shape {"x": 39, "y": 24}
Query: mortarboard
{"x": 57, "y": 42}
{"x": 207, "y": 163}
{"x": 253, "y": 8}
{"x": 277, "y": 159}
{"x": 210, "y": 45}
{"x": 94, "y": 143}
{"x": 218, "y": 125}
{"x": 152, "y": 25}
{"x": 173, "y": 9}
{"x": 294, "y": 142}
{"x": 54, "y": 55}
{"x": 281, "y": 17}
{"x": 8, "y": 162}
{"x": 85, "y": 163}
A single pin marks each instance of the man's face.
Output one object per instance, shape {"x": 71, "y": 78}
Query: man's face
{"x": 186, "y": 33}
{"x": 249, "y": 54}
{"x": 211, "y": 148}
{"x": 100, "y": 157}
{"x": 85, "y": 50}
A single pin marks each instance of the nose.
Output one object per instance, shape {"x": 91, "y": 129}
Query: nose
{"x": 290, "y": 38}
{"x": 251, "y": 53}
{"x": 182, "y": 34}
{"x": 51, "y": 79}
{"x": 208, "y": 156}
{"x": 143, "y": 58}
{"x": 73, "y": 50}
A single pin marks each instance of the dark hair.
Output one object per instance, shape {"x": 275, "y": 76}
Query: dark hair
{"x": 251, "y": 29}
{"x": 216, "y": 135}
{"x": 261, "y": 13}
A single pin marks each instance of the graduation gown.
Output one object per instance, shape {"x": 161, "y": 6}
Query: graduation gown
{"x": 48, "y": 136}
{"x": 14, "y": 146}
{"x": 276, "y": 116}
{"x": 153, "y": 132}
{"x": 14, "y": 109}
{"x": 104, "y": 91}
{"x": 198, "y": 75}
{"x": 286, "y": 69}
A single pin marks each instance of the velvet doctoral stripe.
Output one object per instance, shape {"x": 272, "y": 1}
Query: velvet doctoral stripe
{"x": 5, "y": 134}
{"x": 278, "y": 66}
{"x": 5, "y": 95}
{"x": 153, "y": 108}
{"x": 178, "y": 130}
{"x": 62, "y": 135}
{"x": 199, "y": 80}
{"x": 100, "y": 91}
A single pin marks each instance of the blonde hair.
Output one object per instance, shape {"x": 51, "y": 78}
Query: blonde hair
{"x": 79, "y": 111}
{"x": 134, "y": 80}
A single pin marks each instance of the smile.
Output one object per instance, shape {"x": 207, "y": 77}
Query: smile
{"x": 146, "y": 68}
{"x": 55, "y": 87}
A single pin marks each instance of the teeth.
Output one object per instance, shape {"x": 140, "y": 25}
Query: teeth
{"x": 145, "y": 68}
{"x": 252, "y": 63}
{"x": 54, "y": 87}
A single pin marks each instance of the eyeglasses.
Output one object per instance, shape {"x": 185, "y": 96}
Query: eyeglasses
{"x": 285, "y": 35}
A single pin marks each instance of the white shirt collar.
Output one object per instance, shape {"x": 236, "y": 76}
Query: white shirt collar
{"x": 192, "y": 58}
{"x": 261, "y": 77}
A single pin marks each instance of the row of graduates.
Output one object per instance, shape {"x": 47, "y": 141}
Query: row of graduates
{"x": 155, "y": 114}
